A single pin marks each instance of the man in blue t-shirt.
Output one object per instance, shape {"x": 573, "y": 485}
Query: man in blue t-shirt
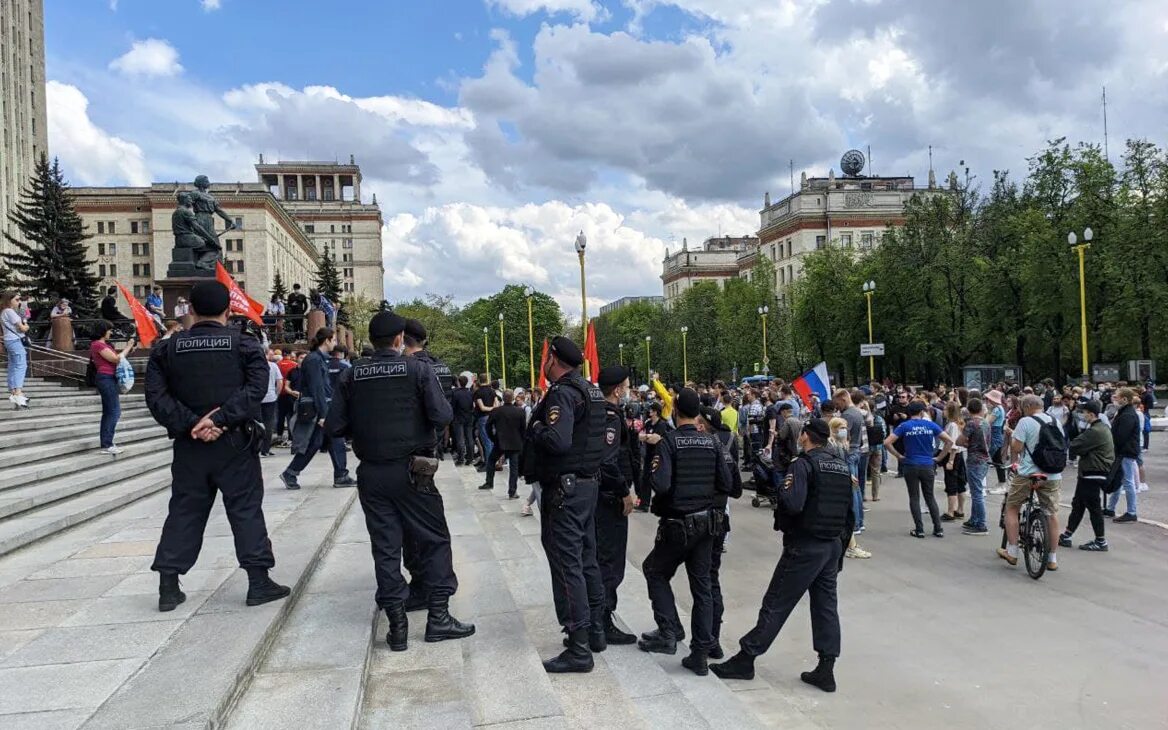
{"x": 918, "y": 464}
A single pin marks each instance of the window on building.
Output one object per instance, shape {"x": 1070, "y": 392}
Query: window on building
{"x": 332, "y": 228}
{"x": 113, "y": 269}
{"x": 146, "y": 270}
{"x": 290, "y": 194}
{"x": 137, "y": 269}
{"x": 772, "y": 252}
{"x": 112, "y": 248}
{"x": 101, "y": 270}
{"x": 348, "y": 287}
{"x": 101, "y": 226}
{"x": 789, "y": 248}
{"x": 239, "y": 267}
{"x": 866, "y": 240}
{"x": 348, "y": 243}
{"x": 101, "y": 249}
{"x": 820, "y": 242}
{"x": 145, "y": 226}
{"x": 133, "y": 226}
{"x": 782, "y": 277}
{"x": 110, "y": 225}
{"x": 348, "y": 273}
{"x": 309, "y": 228}
{"x": 790, "y": 273}
{"x": 846, "y": 240}
{"x": 239, "y": 223}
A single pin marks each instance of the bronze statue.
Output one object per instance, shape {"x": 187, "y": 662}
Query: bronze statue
{"x": 196, "y": 249}
{"x": 206, "y": 207}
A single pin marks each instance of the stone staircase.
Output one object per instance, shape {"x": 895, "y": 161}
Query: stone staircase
{"x": 52, "y": 475}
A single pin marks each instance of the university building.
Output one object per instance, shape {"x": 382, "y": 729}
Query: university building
{"x": 717, "y": 260}
{"x": 23, "y": 124}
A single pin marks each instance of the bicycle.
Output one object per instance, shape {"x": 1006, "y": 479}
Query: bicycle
{"x": 1033, "y": 531}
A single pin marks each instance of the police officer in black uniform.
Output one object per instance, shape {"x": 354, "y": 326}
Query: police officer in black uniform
{"x": 205, "y": 386}
{"x": 816, "y": 517}
{"x": 620, "y": 469}
{"x": 563, "y": 452}
{"x": 712, "y": 423}
{"x": 688, "y": 473}
{"x": 390, "y": 405}
{"x": 415, "y": 344}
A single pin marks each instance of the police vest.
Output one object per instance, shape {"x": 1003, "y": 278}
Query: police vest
{"x": 829, "y": 496}
{"x": 695, "y": 462}
{"x": 441, "y": 369}
{"x": 612, "y": 476}
{"x": 204, "y": 367}
{"x": 587, "y": 450}
{"x": 385, "y": 409}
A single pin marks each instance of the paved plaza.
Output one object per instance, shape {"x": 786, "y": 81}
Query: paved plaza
{"x": 937, "y": 633}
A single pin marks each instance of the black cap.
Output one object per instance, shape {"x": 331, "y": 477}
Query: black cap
{"x": 566, "y": 352}
{"x": 416, "y": 329}
{"x": 819, "y": 427}
{"x": 785, "y": 406}
{"x": 209, "y": 298}
{"x": 712, "y": 416}
{"x": 916, "y": 407}
{"x": 612, "y": 375}
{"x": 386, "y": 326}
{"x": 1091, "y": 406}
{"x": 688, "y": 403}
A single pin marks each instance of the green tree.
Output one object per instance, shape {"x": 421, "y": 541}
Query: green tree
{"x": 50, "y": 256}
{"x": 629, "y": 326}
{"x": 278, "y": 288}
{"x": 328, "y": 279}
{"x": 547, "y": 322}
{"x": 446, "y": 339}
{"x": 359, "y": 310}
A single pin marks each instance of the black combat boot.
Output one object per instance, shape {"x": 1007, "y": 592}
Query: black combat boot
{"x": 597, "y": 639}
{"x": 262, "y": 589}
{"x": 576, "y": 658}
{"x": 418, "y": 598}
{"x": 399, "y": 627}
{"x": 739, "y": 666}
{"x": 697, "y": 662}
{"x": 823, "y": 676}
{"x": 716, "y": 650}
{"x": 655, "y": 633}
{"x": 613, "y": 635}
{"x": 440, "y": 625}
{"x": 658, "y": 642}
{"x": 169, "y": 594}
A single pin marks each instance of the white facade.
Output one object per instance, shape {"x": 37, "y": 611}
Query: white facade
{"x": 717, "y": 260}
{"x": 23, "y": 123}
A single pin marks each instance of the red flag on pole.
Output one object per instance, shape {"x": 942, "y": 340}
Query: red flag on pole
{"x": 591, "y": 355}
{"x": 542, "y": 364}
{"x": 241, "y": 303}
{"x": 147, "y": 327}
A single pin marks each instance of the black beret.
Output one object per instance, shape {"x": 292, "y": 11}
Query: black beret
{"x": 687, "y": 402}
{"x": 566, "y": 352}
{"x": 386, "y": 325}
{"x": 612, "y": 375}
{"x": 416, "y": 329}
{"x": 819, "y": 427}
{"x": 209, "y": 298}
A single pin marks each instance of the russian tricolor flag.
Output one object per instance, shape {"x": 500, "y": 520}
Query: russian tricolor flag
{"x": 813, "y": 382}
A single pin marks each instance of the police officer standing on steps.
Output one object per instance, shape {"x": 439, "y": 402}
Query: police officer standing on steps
{"x": 415, "y": 343}
{"x": 390, "y": 405}
{"x": 563, "y": 452}
{"x": 205, "y": 386}
{"x": 712, "y": 423}
{"x": 620, "y": 469}
{"x": 688, "y": 473}
{"x": 816, "y": 516}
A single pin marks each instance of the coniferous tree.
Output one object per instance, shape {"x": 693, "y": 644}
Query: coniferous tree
{"x": 278, "y": 288}
{"x": 51, "y": 257}
{"x": 328, "y": 279}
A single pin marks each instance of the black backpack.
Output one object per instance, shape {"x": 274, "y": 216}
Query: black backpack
{"x": 1050, "y": 453}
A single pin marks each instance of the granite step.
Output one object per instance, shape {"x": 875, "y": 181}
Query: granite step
{"x": 82, "y": 403}
{"x": 54, "y": 447}
{"x": 30, "y": 474}
{"x": 17, "y": 436}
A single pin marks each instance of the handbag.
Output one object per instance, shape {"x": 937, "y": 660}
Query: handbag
{"x": 27, "y": 343}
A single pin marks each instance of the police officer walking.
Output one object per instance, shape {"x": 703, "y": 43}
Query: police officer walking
{"x": 712, "y": 423}
{"x": 390, "y": 405}
{"x": 563, "y": 452}
{"x": 815, "y": 514}
{"x": 205, "y": 386}
{"x": 688, "y": 473}
{"x": 620, "y": 469}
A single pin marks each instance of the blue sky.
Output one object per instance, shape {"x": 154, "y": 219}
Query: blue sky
{"x": 493, "y": 130}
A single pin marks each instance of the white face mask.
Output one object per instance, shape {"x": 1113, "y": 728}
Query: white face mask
{"x": 842, "y": 434}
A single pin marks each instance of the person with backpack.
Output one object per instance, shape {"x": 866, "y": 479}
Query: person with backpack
{"x": 1125, "y": 432}
{"x": 1037, "y": 446}
{"x": 1096, "y": 453}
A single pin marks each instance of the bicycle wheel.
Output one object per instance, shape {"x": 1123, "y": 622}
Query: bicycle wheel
{"x": 1037, "y": 545}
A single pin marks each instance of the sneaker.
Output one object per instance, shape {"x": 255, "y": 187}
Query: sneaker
{"x": 857, "y": 553}
{"x": 1109, "y": 513}
{"x": 112, "y": 450}
{"x": 525, "y": 511}
{"x": 967, "y": 523}
{"x": 975, "y": 530}
{"x": 344, "y": 482}
{"x": 938, "y": 533}
{"x": 917, "y": 533}
{"x": 1004, "y": 555}
{"x": 1051, "y": 566}
{"x": 1126, "y": 517}
{"x": 289, "y": 480}
{"x": 1095, "y": 546}
{"x": 1065, "y": 541}
{"x": 859, "y": 530}
{"x": 1142, "y": 488}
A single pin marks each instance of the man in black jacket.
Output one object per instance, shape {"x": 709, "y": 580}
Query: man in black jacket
{"x": 1125, "y": 432}
{"x": 462, "y": 401}
{"x": 308, "y": 435}
{"x": 1096, "y": 453}
{"x": 505, "y": 426}
{"x": 296, "y": 308}
{"x": 655, "y": 429}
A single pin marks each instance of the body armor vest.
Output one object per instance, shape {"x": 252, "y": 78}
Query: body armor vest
{"x": 612, "y": 478}
{"x": 441, "y": 369}
{"x": 386, "y": 410}
{"x": 695, "y": 460}
{"x": 829, "y": 496}
{"x": 587, "y": 450}
{"x": 205, "y": 367}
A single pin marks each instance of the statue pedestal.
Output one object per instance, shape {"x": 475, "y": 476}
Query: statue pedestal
{"x": 182, "y": 265}
{"x": 175, "y": 287}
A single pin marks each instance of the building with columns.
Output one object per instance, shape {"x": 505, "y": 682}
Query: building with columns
{"x": 325, "y": 199}
{"x": 717, "y": 260}
{"x": 23, "y": 123}
{"x": 132, "y": 238}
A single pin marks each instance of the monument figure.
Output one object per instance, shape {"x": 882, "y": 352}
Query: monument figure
{"x": 196, "y": 244}
{"x": 206, "y": 207}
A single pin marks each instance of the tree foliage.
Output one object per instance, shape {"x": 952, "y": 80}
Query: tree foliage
{"x": 278, "y": 287}
{"x": 328, "y": 279}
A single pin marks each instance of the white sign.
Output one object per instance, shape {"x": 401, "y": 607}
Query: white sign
{"x": 875, "y": 349}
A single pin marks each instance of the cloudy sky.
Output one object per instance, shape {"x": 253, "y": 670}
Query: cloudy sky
{"x": 493, "y": 130}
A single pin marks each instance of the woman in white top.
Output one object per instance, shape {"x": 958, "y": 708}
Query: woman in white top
{"x": 14, "y": 330}
{"x": 61, "y": 309}
{"x": 954, "y": 465}
{"x": 181, "y": 308}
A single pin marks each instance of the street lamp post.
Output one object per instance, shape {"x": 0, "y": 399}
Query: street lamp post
{"x": 621, "y": 347}
{"x": 581, "y": 242}
{"x": 762, "y": 313}
{"x": 684, "y": 356}
{"x": 529, "y": 292}
{"x": 486, "y": 354}
{"x": 869, "y": 290}
{"x": 648, "y": 364}
{"x": 502, "y": 353}
{"x": 1081, "y": 248}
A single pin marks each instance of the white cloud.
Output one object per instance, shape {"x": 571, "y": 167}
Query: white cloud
{"x": 209, "y": 5}
{"x": 586, "y": 10}
{"x": 151, "y": 57}
{"x": 91, "y": 156}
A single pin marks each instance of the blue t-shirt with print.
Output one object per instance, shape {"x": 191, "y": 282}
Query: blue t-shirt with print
{"x": 916, "y": 437}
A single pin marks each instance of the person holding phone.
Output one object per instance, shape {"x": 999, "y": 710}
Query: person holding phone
{"x": 105, "y": 362}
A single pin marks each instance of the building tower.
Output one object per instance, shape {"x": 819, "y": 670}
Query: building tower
{"x": 23, "y": 124}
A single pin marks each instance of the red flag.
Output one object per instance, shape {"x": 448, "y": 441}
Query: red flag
{"x": 542, "y": 364}
{"x": 591, "y": 356}
{"x": 147, "y": 327}
{"x": 241, "y": 303}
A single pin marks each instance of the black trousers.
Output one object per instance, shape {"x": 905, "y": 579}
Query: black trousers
{"x": 393, "y": 508}
{"x": 920, "y": 481}
{"x": 512, "y": 458}
{"x": 463, "y": 440}
{"x": 807, "y": 566}
{"x": 671, "y": 550}
{"x": 199, "y": 470}
{"x": 269, "y": 414}
{"x": 645, "y": 490}
{"x": 717, "y": 606}
{"x": 568, "y": 534}
{"x": 1088, "y": 498}
{"x": 612, "y": 540}
{"x": 284, "y": 407}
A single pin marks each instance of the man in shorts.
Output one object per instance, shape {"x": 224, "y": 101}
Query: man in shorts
{"x": 1022, "y": 444}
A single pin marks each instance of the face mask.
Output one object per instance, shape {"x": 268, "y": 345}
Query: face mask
{"x": 841, "y": 434}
